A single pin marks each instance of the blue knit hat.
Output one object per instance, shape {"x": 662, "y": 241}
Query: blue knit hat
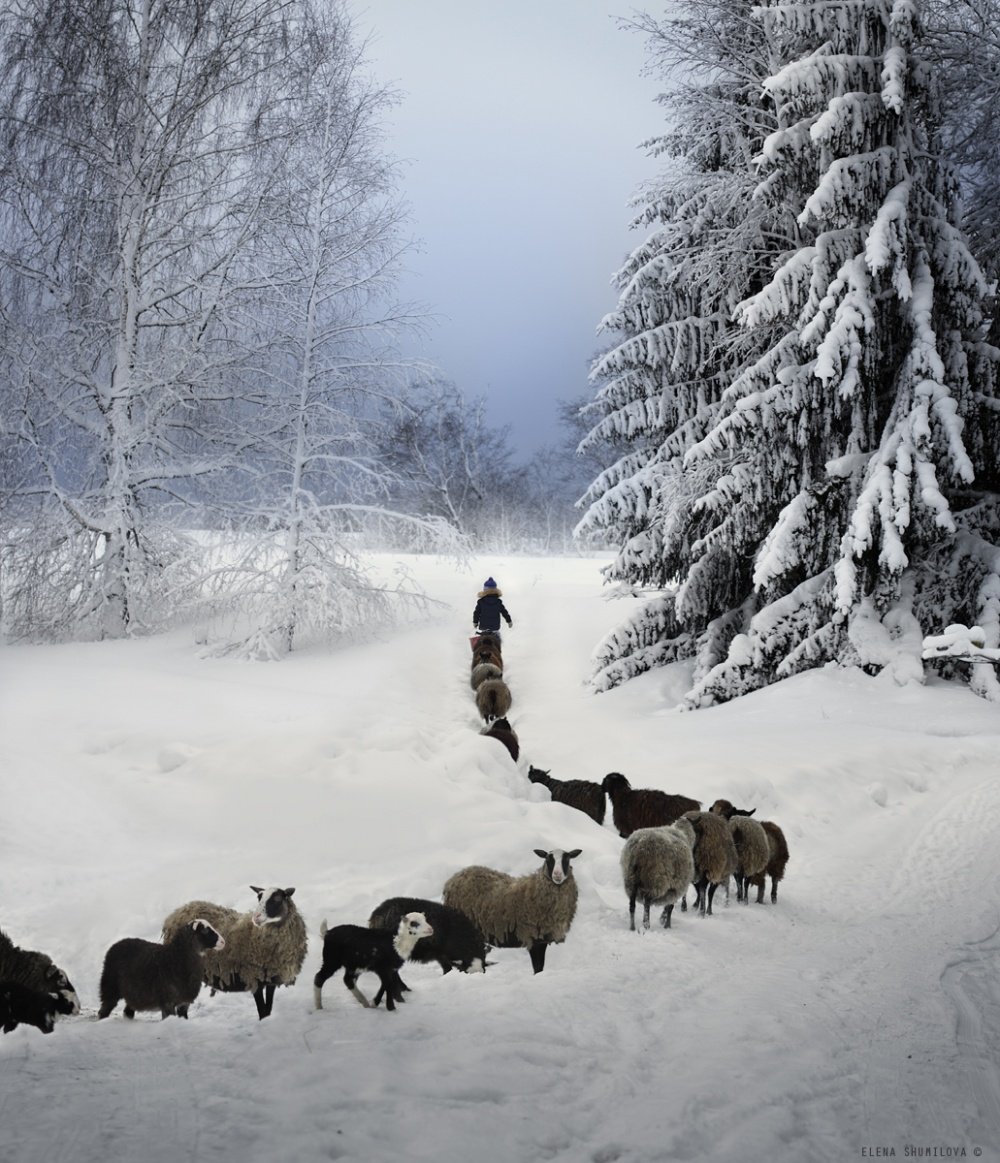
{"x": 489, "y": 584}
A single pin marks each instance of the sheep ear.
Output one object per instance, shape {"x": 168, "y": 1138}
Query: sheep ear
{"x": 574, "y": 854}
{"x": 541, "y": 852}
{"x": 289, "y": 892}
{"x": 254, "y": 888}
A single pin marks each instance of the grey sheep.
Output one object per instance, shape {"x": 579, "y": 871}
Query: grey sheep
{"x": 657, "y": 868}
{"x": 484, "y": 671}
{"x": 21, "y": 1005}
{"x": 777, "y": 847}
{"x": 752, "y": 853}
{"x": 493, "y": 699}
{"x": 523, "y": 912}
{"x": 715, "y": 857}
{"x": 148, "y": 976}
{"x": 633, "y": 808}
{"x": 582, "y": 794}
{"x": 265, "y": 947}
{"x": 36, "y": 971}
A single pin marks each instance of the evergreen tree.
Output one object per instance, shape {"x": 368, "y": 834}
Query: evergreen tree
{"x": 678, "y": 346}
{"x": 850, "y": 466}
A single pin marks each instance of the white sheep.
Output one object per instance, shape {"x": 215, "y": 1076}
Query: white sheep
{"x": 524, "y": 912}
{"x": 265, "y": 947}
{"x": 657, "y": 868}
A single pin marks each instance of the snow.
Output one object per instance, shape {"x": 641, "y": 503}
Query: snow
{"x": 860, "y": 1011}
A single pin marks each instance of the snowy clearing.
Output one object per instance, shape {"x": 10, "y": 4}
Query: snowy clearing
{"x": 860, "y": 1012}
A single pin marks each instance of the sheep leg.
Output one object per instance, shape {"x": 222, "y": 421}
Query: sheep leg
{"x": 711, "y": 897}
{"x": 645, "y": 911}
{"x": 129, "y": 1013}
{"x": 181, "y": 1012}
{"x": 351, "y": 981}
{"x": 537, "y": 955}
{"x": 263, "y": 995}
{"x": 760, "y": 891}
{"x": 631, "y": 912}
{"x": 107, "y": 1005}
{"x": 665, "y": 916}
{"x": 774, "y": 891}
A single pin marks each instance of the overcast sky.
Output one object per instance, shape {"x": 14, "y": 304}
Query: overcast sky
{"x": 521, "y": 123}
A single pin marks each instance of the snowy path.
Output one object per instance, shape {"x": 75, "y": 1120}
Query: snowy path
{"x": 861, "y": 1011}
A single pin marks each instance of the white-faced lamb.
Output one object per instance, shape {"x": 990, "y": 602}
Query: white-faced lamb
{"x": 36, "y": 971}
{"x": 493, "y": 699}
{"x": 519, "y": 912}
{"x": 20, "y": 1005}
{"x": 715, "y": 857}
{"x": 503, "y": 732}
{"x": 633, "y": 808}
{"x": 582, "y": 794}
{"x": 658, "y": 868}
{"x": 456, "y": 943}
{"x": 777, "y": 849}
{"x": 149, "y": 976}
{"x": 484, "y": 671}
{"x": 265, "y": 947}
{"x": 358, "y": 950}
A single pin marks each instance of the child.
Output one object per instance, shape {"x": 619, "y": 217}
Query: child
{"x": 489, "y": 609}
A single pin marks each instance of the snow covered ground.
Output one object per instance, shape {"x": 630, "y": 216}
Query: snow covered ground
{"x": 861, "y": 1012}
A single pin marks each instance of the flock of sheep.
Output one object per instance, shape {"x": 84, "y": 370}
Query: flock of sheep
{"x": 670, "y": 845}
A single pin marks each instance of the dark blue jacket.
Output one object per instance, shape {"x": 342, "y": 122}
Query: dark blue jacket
{"x": 489, "y": 609}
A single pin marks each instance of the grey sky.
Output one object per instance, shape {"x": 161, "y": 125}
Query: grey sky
{"x": 521, "y": 124}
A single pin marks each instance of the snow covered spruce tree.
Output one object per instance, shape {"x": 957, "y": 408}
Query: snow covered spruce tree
{"x": 678, "y": 347}
{"x": 851, "y": 467}
{"x": 131, "y": 139}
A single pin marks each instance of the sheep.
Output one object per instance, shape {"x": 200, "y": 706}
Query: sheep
{"x": 36, "y": 971}
{"x": 714, "y": 857}
{"x": 582, "y": 794}
{"x": 482, "y": 672}
{"x": 493, "y": 699}
{"x": 358, "y": 950}
{"x": 777, "y": 859}
{"x": 487, "y": 640}
{"x": 265, "y": 947}
{"x": 777, "y": 849}
{"x": 22, "y": 1004}
{"x": 501, "y": 730}
{"x": 643, "y": 807}
{"x": 657, "y": 867}
{"x": 165, "y": 977}
{"x": 524, "y": 912}
{"x": 487, "y": 655}
{"x": 752, "y": 852}
{"x": 456, "y": 943}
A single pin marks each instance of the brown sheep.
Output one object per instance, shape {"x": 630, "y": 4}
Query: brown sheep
{"x": 493, "y": 699}
{"x": 643, "y": 807}
{"x": 501, "y": 730}
{"x": 777, "y": 849}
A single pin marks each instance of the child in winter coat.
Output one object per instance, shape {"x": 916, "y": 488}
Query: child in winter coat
{"x": 489, "y": 609}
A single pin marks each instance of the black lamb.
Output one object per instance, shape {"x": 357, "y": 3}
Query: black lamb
{"x": 582, "y": 794}
{"x": 358, "y": 950}
{"x": 643, "y": 807}
{"x": 21, "y": 1004}
{"x": 150, "y": 976}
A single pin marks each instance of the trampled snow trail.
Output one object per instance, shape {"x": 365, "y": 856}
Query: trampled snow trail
{"x": 860, "y": 1011}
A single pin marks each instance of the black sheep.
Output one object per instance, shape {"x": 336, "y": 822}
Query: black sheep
{"x": 504, "y": 733}
{"x": 455, "y": 944}
{"x": 582, "y": 794}
{"x": 21, "y": 1004}
{"x": 643, "y": 807}
{"x": 150, "y": 976}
